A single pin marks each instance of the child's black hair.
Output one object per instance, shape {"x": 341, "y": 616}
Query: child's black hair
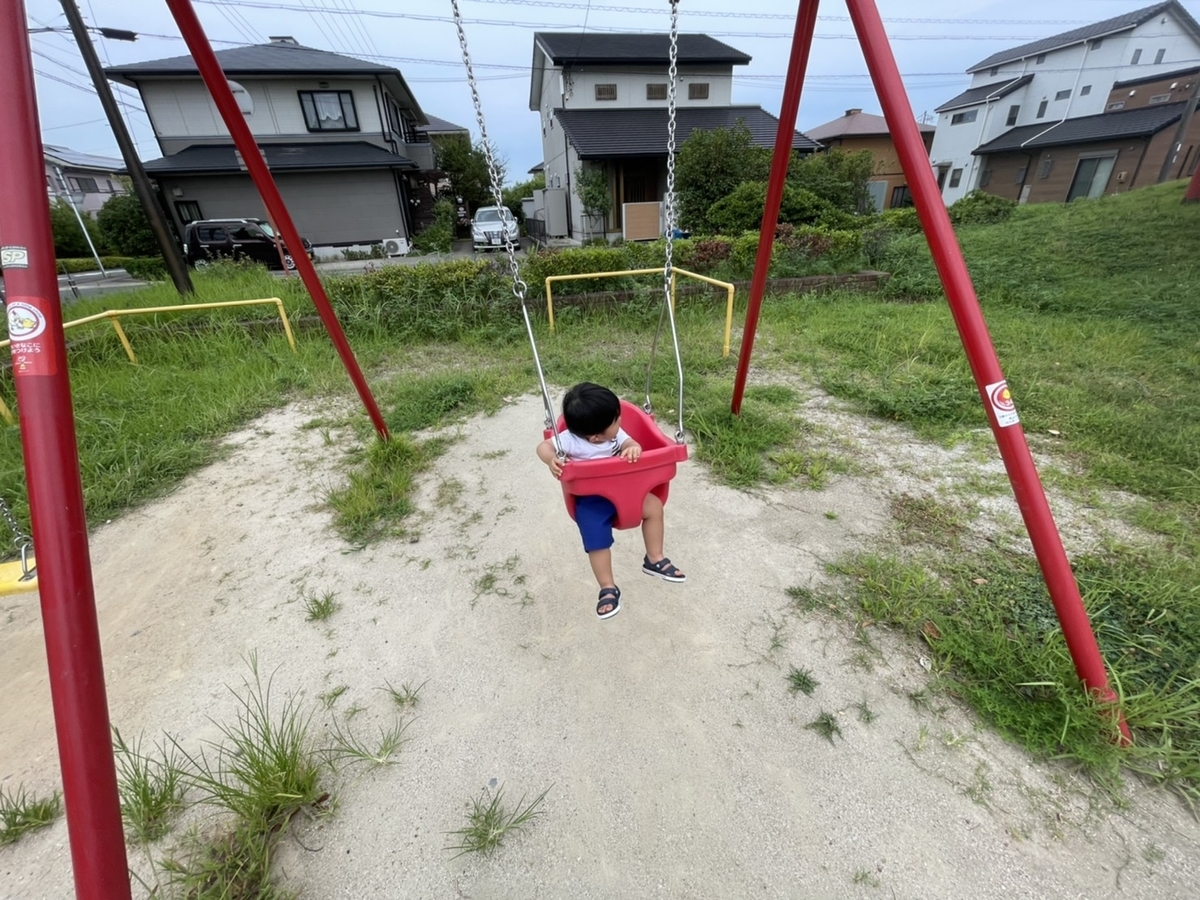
{"x": 589, "y": 409}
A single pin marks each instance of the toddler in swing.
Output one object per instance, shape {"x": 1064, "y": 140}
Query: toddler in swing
{"x": 593, "y": 431}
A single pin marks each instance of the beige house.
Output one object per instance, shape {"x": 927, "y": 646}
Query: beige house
{"x": 856, "y": 131}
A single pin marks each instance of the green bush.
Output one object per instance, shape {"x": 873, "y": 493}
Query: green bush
{"x": 125, "y": 227}
{"x": 902, "y": 221}
{"x": 837, "y": 177}
{"x": 431, "y": 301}
{"x": 151, "y": 268}
{"x": 69, "y": 240}
{"x": 981, "y": 208}
{"x": 743, "y": 209}
{"x": 439, "y": 236}
{"x": 710, "y": 165}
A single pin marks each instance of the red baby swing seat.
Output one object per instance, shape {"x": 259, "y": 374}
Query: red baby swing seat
{"x": 623, "y": 483}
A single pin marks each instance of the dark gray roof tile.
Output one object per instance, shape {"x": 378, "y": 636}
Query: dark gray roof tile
{"x": 1088, "y": 32}
{"x": 1113, "y": 126}
{"x": 281, "y": 157}
{"x": 995, "y": 90}
{"x": 625, "y": 49}
{"x": 605, "y": 133}
{"x": 259, "y": 59}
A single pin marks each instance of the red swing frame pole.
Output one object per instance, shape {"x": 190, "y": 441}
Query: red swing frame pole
{"x": 256, "y": 164}
{"x": 985, "y": 367}
{"x": 1192, "y": 194}
{"x": 68, "y": 603}
{"x": 802, "y": 38}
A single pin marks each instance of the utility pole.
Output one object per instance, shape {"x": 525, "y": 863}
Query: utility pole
{"x": 172, "y": 255}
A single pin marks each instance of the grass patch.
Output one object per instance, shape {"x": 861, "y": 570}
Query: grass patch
{"x": 491, "y": 820}
{"x": 801, "y": 681}
{"x": 378, "y": 496}
{"x": 826, "y": 725}
{"x": 318, "y": 609}
{"x": 21, "y": 813}
{"x": 406, "y": 696}
{"x": 151, "y": 787}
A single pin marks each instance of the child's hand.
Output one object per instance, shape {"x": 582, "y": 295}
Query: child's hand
{"x": 631, "y": 451}
{"x": 556, "y": 466}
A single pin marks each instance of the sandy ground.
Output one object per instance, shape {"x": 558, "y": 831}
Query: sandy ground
{"x": 677, "y": 762}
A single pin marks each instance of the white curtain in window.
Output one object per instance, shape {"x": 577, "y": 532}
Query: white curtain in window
{"x": 329, "y": 107}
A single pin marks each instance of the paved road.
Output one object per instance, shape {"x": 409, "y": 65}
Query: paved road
{"x": 91, "y": 284}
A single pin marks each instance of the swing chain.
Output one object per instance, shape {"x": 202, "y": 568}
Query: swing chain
{"x": 519, "y": 287}
{"x": 669, "y": 214}
{"x": 21, "y": 540}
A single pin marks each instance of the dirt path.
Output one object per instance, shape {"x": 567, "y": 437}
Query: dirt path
{"x": 678, "y": 763}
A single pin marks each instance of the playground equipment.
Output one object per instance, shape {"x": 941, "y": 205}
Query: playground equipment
{"x": 625, "y": 486}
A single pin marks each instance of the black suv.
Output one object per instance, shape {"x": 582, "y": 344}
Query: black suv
{"x": 206, "y": 240}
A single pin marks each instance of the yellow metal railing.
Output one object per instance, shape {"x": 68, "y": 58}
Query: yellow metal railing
{"x": 674, "y": 271}
{"x": 115, "y": 316}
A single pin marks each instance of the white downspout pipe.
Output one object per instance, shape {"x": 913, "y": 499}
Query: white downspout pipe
{"x": 1087, "y": 48}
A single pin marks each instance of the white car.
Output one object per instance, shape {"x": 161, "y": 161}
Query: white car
{"x": 491, "y": 225}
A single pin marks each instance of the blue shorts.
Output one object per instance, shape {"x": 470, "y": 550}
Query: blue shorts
{"x": 595, "y": 516}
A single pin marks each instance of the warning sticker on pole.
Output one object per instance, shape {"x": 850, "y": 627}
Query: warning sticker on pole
{"x": 1002, "y": 404}
{"x": 32, "y": 352}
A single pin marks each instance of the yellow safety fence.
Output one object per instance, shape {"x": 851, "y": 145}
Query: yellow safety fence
{"x": 115, "y": 316}
{"x": 674, "y": 271}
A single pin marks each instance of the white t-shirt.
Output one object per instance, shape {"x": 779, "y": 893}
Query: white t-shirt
{"x": 581, "y": 448}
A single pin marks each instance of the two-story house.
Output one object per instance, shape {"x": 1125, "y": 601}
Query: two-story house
{"x": 342, "y": 137}
{"x": 857, "y": 131}
{"x": 602, "y": 103}
{"x": 85, "y": 180}
{"x": 1044, "y": 84}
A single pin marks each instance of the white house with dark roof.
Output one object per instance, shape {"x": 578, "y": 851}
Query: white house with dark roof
{"x": 85, "y": 180}
{"x": 343, "y": 138}
{"x": 1042, "y": 86}
{"x": 602, "y": 103}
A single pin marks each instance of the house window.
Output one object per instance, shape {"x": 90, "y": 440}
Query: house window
{"x": 964, "y": 117}
{"x": 1137, "y": 56}
{"x": 698, "y": 90}
{"x": 1063, "y": 95}
{"x": 188, "y": 211}
{"x": 1159, "y": 98}
{"x": 955, "y": 178}
{"x": 1041, "y": 113}
{"x": 656, "y": 92}
{"x": 1021, "y": 173}
{"x": 985, "y": 178}
{"x": 1120, "y": 104}
{"x": 1040, "y": 59}
{"x": 1046, "y": 166}
{"x": 606, "y": 92}
{"x": 1085, "y": 90}
{"x": 1013, "y": 112}
{"x": 329, "y": 110}
{"x": 1095, "y": 44}
{"x": 995, "y": 70}
{"x": 901, "y": 197}
{"x": 1091, "y": 176}
{"x": 83, "y": 183}
{"x": 1158, "y": 57}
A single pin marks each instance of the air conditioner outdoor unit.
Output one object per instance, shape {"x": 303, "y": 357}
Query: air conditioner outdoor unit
{"x": 395, "y": 247}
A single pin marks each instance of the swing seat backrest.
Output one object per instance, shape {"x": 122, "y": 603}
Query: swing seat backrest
{"x": 623, "y": 483}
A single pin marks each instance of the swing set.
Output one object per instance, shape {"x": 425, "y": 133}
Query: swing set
{"x": 48, "y": 434}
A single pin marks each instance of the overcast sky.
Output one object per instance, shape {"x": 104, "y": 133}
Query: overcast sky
{"x": 934, "y": 42}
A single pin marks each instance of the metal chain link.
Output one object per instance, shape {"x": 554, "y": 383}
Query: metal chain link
{"x": 519, "y": 287}
{"x": 21, "y": 540}
{"x": 669, "y": 214}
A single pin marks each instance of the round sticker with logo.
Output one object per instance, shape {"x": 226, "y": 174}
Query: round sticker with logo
{"x": 25, "y": 321}
{"x": 1002, "y": 404}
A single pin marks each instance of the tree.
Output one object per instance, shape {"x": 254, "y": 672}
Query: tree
{"x": 125, "y": 228}
{"x": 709, "y": 165}
{"x": 591, "y": 186}
{"x": 514, "y": 194}
{"x": 69, "y": 242}
{"x": 465, "y": 165}
{"x": 836, "y": 176}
